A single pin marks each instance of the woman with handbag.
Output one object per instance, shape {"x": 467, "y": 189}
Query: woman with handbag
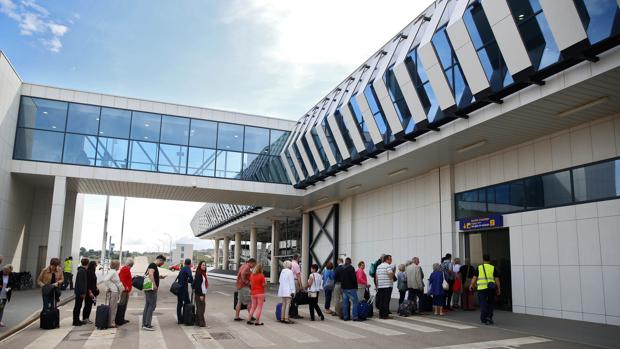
{"x": 201, "y": 286}
{"x": 315, "y": 284}
{"x": 438, "y": 286}
{"x": 328, "y": 284}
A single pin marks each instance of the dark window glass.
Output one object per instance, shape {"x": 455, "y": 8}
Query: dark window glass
{"x": 256, "y": 140}
{"x": 331, "y": 141}
{"x": 112, "y": 152}
{"x": 80, "y": 149}
{"x": 277, "y": 173}
{"x": 291, "y": 166}
{"x": 174, "y": 130}
{"x": 319, "y": 147}
{"x": 306, "y": 148}
{"x": 517, "y": 195}
{"x": 114, "y": 123}
{"x": 230, "y": 137}
{"x": 143, "y": 156}
{"x": 201, "y": 162}
{"x": 398, "y": 100}
{"x": 595, "y": 182}
{"x": 346, "y": 134}
{"x": 203, "y": 133}
{"x": 42, "y": 114}
{"x": 228, "y": 164}
{"x": 377, "y": 113}
{"x": 471, "y": 203}
{"x": 300, "y": 161}
{"x": 601, "y": 18}
{"x": 83, "y": 119}
{"x": 363, "y": 128}
{"x": 172, "y": 158}
{"x": 145, "y": 126}
{"x": 548, "y": 190}
{"x": 38, "y": 145}
{"x": 278, "y": 138}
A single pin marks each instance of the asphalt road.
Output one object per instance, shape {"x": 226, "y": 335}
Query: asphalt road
{"x": 425, "y": 331}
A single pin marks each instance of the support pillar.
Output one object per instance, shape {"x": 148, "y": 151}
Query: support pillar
{"x": 253, "y": 243}
{"x": 56, "y": 218}
{"x": 275, "y": 250}
{"x": 225, "y": 252}
{"x": 305, "y": 248}
{"x": 216, "y": 253}
{"x": 237, "y": 249}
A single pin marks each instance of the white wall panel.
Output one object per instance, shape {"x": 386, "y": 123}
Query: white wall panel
{"x": 287, "y": 167}
{"x": 340, "y": 143}
{"x": 409, "y": 93}
{"x": 296, "y": 163}
{"x": 351, "y": 123}
{"x": 368, "y": 118}
{"x": 326, "y": 148}
{"x": 304, "y": 157}
{"x": 564, "y": 22}
{"x": 386, "y": 104}
{"x": 315, "y": 152}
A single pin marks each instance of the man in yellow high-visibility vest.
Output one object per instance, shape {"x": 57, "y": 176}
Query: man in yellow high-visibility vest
{"x": 487, "y": 284}
{"x": 68, "y": 273}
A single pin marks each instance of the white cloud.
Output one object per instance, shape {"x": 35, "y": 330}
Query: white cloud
{"x": 32, "y": 19}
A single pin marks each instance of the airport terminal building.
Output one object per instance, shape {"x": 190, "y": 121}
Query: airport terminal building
{"x": 486, "y": 126}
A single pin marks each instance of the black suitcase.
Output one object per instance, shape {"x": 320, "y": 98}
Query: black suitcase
{"x": 426, "y": 303}
{"x": 102, "y": 317}
{"x": 236, "y": 300}
{"x": 120, "y": 314}
{"x": 301, "y": 298}
{"x": 189, "y": 312}
{"x": 50, "y": 317}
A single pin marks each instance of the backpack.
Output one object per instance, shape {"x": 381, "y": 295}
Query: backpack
{"x": 405, "y": 308}
{"x": 373, "y": 268}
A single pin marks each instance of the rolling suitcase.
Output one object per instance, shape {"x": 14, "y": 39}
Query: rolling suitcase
{"x": 279, "y": 312}
{"x": 426, "y": 303}
{"x": 102, "y": 315}
{"x": 189, "y": 312}
{"x": 371, "y": 302}
{"x": 362, "y": 310}
{"x": 50, "y": 317}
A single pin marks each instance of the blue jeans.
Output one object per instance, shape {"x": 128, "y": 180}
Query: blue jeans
{"x": 328, "y": 298}
{"x": 349, "y": 296}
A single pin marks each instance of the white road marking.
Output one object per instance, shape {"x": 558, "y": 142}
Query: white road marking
{"x": 372, "y": 328}
{"x": 296, "y": 335}
{"x": 333, "y": 330}
{"x": 201, "y": 338}
{"x": 406, "y": 325}
{"x": 244, "y": 332}
{"x": 51, "y": 338}
{"x": 502, "y": 343}
{"x": 439, "y": 322}
{"x": 100, "y": 339}
{"x": 151, "y": 339}
{"x": 142, "y": 309}
{"x": 224, "y": 294}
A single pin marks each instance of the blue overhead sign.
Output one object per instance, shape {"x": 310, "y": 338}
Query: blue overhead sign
{"x": 486, "y": 222}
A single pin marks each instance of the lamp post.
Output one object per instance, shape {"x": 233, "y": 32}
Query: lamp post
{"x": 120, "y": 251}
{"x": 170, "y": 246}
{"x": 105, "y": 232}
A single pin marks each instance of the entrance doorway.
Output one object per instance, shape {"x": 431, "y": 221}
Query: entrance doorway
{"x": 495, "y": 243}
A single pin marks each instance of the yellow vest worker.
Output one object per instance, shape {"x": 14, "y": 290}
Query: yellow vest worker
{"x": 486, "y": 280}
{"x": 485, "y": 275}
{"x": 68, "y": 266}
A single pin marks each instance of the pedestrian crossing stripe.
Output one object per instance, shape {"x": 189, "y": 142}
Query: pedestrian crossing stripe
{"x": 201, "y": 338}
{"x": 150, "y": 339}
{"x": 335, "y": 331}
{"x": 449, "y": 324}
{"x": 245, "y": 333}
{"x": 409, "y": 326}
{"x": 502, "y": 343}
{"x": 100, "y": 339}
{"x": 51, "y": 338}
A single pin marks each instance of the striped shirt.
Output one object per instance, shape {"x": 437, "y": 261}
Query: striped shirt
{"x": 383, "y": 278}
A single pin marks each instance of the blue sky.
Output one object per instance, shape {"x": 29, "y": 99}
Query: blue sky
{"x": 265, "y": 57}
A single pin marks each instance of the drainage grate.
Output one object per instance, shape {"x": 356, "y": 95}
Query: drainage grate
{"x": 219, "y": 336}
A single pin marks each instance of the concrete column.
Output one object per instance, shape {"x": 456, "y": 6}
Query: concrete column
{"x": 216, "y": 253}
{"x": 237, "y": 249}
{"x": 305, "y": 247}
{"x": 76, "y": 238}
{"x": 275, "y": 243}
{"x": 56, "y": 218}
{"x": 253, "y": 243}
{"x": 225, "y": 252}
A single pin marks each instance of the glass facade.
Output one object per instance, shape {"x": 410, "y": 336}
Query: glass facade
{"x": 599, "y": 181}
{"x": 71, "y": 133}
{"x": 601, "y": 18}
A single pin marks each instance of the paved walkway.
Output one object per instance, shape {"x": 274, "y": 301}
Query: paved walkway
{"x": 459, "y": 330}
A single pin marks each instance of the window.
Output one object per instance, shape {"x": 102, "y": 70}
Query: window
{"x": 83, "y": 119}
{"x": 201, "y": 162}
{"x": 228, "y": 164}
{"x": 346, "y": 134}
{"x": 601, "y": 18}
{"x": 230, "y": 137}
{"x": 361, "y": 123}
{"x": 145, "y": 126}
{"x": 172, "y": 158}
{"x": 114, "y": 123}
{"x": 143, "y": 156}
{"x": 599, "y": 181}
{"x": 423, "y": 87}
{"x": 182, "y": 249}
{"x": 549, "y": 190}
{"x": 79, "y": 149}
{"x": 203, "y": 133}
{"x": 112, "y": 152}
{"x": 398, "y": 100}
{"x": 42, "y": 114}
{"x": 174, "y": 130}
{"x": 38, "y": 145}
{"x": 452, "y": 69}
{"x": 277, "y": 138}
{"x": 377, "y": 113}
{"x": 256, "y": 140}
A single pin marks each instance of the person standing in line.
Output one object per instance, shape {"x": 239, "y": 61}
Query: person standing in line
{"x": 401, "y": 283}
{"x": 467, "y": 273}
{"x": 415, "y": 282}
{"x": 114, "y": 287}
{"x": 150, "y": 296}
{"x": 385, "y": 282}
{"x": 51, "y": 276}
{"x": 457, "y": 286}
{"x": 67, "y": 273}
{"x": 185, "y": 278}
{"x": 201, "y": 286}
{"x": 446, "y": 268}
{"x": 257, "y": 286}
{"x": 328, "y": 284}
{"x": 243, "y": 286}
{"x": 487, "y": 283}
{"x": 362, "y": 280}
{"x": 7, "y": 282}
{"x": 286, "y": 290}
{"x": 373, "y": 268}
{"x": 81, "y": 291}
{"x": 349, "y": 291}
{"x": 92, "y": 290}
{"x": 125, "y": 276}
{"x": 315, "y": 285}
{"x": 435, "y": 286}
{"x": 296, "y": 269}
{"x": 337, "y": 293}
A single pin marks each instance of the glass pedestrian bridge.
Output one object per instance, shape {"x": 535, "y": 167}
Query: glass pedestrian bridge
{"x": 81, "y": 134}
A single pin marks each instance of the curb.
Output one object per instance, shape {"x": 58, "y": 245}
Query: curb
{"x": 29, "y": 320}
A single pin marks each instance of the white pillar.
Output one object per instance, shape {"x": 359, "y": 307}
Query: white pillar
{"x": 253, "y": 243}
{"x": 305, "y": 247}
{"x": 275, "y": 250}
{"x": 216, "y": 254}
{"x": 56, "y": 218}
{"x": 237, "y": 249}
{"x": 76, "y": 238}
{"x": 225, "y": 252}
